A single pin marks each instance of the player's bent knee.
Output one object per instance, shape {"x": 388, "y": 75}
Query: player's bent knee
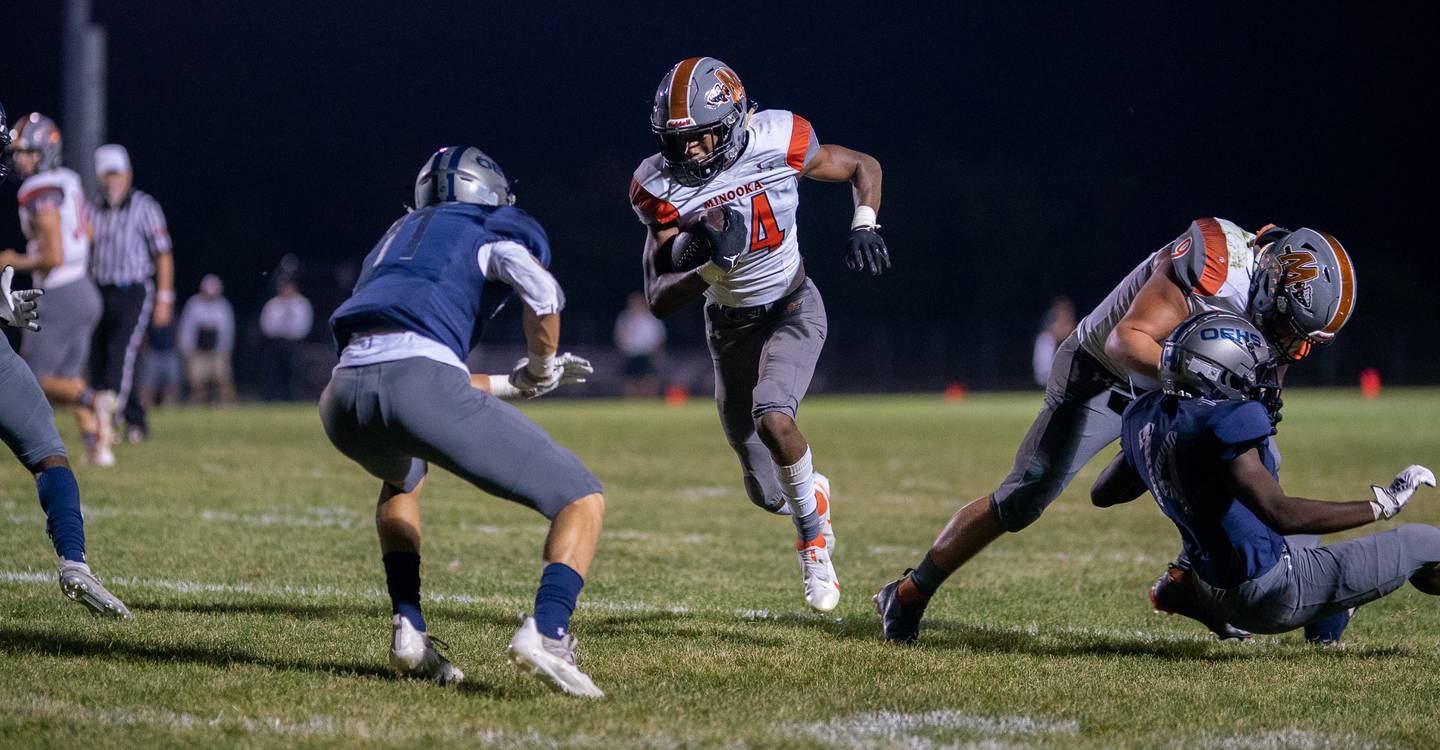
{"x": 1023, "y": 506}
{"x": 775, "y": 426}
{"x": 49, "y": 462}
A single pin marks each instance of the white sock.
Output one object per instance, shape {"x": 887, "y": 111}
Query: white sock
{"x": 798, "y": 482}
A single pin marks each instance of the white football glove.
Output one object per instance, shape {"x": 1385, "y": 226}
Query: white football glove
{"x": 536, "y": 376}
{"x": 1389, "y": 500}
{"x": 573, "y": 369}
{"x": 19, "y": 309}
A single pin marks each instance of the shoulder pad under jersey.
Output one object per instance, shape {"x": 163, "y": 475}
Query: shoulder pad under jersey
{"x": 513, "y": 223}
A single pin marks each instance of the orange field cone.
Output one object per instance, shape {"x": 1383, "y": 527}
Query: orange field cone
{"x": 1370, "y": 383}
{"x": 676, "y": 395}
{"x": 955, "y": 392}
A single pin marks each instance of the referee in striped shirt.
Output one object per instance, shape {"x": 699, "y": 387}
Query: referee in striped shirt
{"x": 135, "y": 272}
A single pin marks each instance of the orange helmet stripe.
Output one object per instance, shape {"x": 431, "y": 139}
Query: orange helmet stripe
{"x": 680, "y": 88}
{"x": 1347, "y": 286}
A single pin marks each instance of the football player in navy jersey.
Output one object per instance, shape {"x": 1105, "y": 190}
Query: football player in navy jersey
{"x": 402, "y": 398}
{"x": 1299, "y": 287}
{"x": 1200, "y": 444}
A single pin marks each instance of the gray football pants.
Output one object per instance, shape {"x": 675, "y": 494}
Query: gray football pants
{"x": 27, "y": 424}
{"x": 1312, "y": 583}
{"x": 1080, "y": 417}
{"x": 393, "y": 417}
{"x": 764, "y": 360}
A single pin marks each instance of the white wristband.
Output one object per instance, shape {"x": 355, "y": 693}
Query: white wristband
{"x": 500, "y": 387}
{"x": 710, "y": 272}
{"x": 864, "y": 217}
{"x": 540, "y": 365}
{"x": 165, "y": 295}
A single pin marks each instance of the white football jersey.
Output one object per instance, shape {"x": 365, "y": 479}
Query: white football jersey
{"x": 1213, "y": 261}
{"x": 60, "y": 189}
{"x": 763, "y": 184}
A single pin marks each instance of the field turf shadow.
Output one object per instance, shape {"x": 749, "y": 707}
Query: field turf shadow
{"x": 35, "y": 642}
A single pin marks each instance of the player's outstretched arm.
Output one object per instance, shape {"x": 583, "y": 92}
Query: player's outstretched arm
{"x": 1118, "y": 483}
{"x": 1159, "y": 307}
{"x": 1250, "y": 482}
{"x": 866, "y": 248}
{"x": 668, "y": 291}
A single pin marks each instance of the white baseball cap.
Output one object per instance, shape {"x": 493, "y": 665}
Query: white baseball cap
{"x": 112, "y": 157}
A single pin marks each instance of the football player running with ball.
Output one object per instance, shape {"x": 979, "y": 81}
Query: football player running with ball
{"x": 402, "y": 397}
{"x": 719, "y": 203}
{"x": 1201, "y": 446}
{"x": 1299, "y": 288}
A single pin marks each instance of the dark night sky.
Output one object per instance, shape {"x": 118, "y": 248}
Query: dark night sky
{"x": 1030, "y": 150}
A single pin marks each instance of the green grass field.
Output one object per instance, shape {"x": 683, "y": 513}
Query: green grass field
{"x": 244, "y": 545}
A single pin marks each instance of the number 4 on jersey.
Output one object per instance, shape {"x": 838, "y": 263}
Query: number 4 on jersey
{"x": 765, "y": 234}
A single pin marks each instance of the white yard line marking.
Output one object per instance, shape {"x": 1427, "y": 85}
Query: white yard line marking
{"x": 929, "y": 730}
{"x": 608, "y": 605}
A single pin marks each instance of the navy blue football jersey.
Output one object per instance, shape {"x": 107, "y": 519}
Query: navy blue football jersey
{"x": 1177, "y": 446}
{"x": 424, "y": 275}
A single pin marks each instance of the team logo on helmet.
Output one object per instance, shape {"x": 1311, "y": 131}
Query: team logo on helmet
{"x": 717, "y": 95}
{"x": 1181, "y": 248}
{"x": 1298, "y": 269}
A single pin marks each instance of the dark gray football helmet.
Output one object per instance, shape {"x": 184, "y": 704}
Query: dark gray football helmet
{"x": 38, "y": 133}
{"x": 462, "y": 174}
{"x": 1217, "y": 355}
{"x": 1303, "y": 290}
{"x": 699, "y": 96}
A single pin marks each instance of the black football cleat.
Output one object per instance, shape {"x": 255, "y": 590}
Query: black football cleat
{"x": 1174, "y": 594}
{"x": 899, "y": 622}
{"x": 1327, "y": 632}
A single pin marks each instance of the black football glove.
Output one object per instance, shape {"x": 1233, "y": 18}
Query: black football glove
{"x": 728, "y": 240}
{"x": 866, "y": 249}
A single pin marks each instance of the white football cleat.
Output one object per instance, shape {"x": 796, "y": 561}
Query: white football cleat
{"x": 822, "y": 506}
{"x": 822, "y": 587}
{"x": 80, "y": 584}
{"x": 413, "y": 654}
{"x": 550, "y": 659}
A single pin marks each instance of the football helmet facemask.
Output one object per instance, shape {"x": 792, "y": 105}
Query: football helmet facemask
{"x": 1217, "y": 355}
{"x": 1303, "y": 290}
{"x": 700, "y": 96}
{"x": 4, "y": 145}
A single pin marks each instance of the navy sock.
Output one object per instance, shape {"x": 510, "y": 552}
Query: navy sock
{"x": 402, "y": 578}
{"x": 927, "y": 576}
{"x": 555, "y": 600}
{"x": 60, "y": 497}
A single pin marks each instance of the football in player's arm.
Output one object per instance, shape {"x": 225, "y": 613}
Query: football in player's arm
{"x": 722, "y": 228}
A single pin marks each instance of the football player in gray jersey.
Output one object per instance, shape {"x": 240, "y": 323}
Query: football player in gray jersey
{"x": 1298, "y": 286}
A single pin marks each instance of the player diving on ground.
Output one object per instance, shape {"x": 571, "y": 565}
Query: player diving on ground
{"x": 1201, "y": 446}
{"x": 719, "y": 204}
{"x": 1298, "y": 286}
{"x": 402, "y": 398}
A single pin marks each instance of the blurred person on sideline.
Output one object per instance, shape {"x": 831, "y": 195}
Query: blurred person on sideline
{"x": 161, "y": 372}
{"x": 206, "y": 338}
{"x": 135, "y": 271}
{"x": 285, "y": 322}
{"x": 1055, "y": 327}
{"x": 640, "y": 336}
{"x": 57, "y": 229}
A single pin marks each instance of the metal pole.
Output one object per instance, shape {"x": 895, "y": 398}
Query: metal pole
{"x": 82, "y": 119}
